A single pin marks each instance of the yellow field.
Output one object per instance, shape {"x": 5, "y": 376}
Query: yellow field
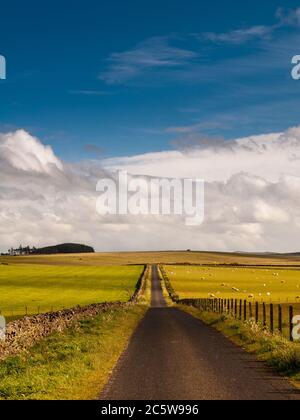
{"x": 260, "y": 284}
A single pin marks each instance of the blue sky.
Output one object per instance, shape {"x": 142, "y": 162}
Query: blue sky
{"x": 108, "y": 78}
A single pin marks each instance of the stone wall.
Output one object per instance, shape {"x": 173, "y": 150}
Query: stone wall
{"x": 24, "y": 333}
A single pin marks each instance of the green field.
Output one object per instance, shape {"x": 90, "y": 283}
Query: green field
{"x": 42, "y": 288}
{"x": 260, "y": 284}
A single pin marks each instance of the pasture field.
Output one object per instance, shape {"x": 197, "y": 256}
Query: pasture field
{"x": 168, "y": 257}
{"x": 257, "y": 284}
{"x": 43, "y": 288}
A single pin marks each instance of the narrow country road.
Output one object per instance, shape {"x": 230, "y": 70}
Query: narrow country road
{"x": 173, "y": 356}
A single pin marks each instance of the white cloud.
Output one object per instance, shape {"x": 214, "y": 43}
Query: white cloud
{"x": 91, "y": 92}
{"x": 267, "y": 156}
{"x": 170, "y": 59}
{"x": 289, "y": 17}
{"x": 285, "y": 17}
{"x": 154, "y": 53}
{"x": 24, "y": 152}
{"x": 240, "y": 36}
{"x": 252, "y": 196}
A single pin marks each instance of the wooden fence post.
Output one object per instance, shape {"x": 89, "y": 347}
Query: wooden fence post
{"x": 291, "y": 318}
{"x": 272, "y": 318}
{"x": 245, "y": 310}
{"x": 250, "y": 311}
{"x": 280, "y": 319}
{"x": 264, "y": 315}
{"x": 236, "y": 309}
{"x": 241, "y": 309}
{"x": 256, "y": 312}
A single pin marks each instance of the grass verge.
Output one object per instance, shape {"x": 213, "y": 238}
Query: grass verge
{"x": 165, "y": 291}
{"x": 73, "y": 365}
{"x": 280, "y": 354}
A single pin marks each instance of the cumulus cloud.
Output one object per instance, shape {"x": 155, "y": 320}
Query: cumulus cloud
{"x": 252, "y": 199}
{"x": 26, "y": 153}
{"x": 267, "y": 156}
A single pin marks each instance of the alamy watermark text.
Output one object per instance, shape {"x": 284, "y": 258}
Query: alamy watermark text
{"x": 124, "y": 195}
{"x": 2, "y": 328}
{"x": 2, "y": 67}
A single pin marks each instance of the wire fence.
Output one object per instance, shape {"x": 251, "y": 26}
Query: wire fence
{"x": 10, "y": 312}
{"x": 277, "y": 318}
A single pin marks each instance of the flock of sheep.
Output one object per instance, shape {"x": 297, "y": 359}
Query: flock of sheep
{"x": 237, "y": 290}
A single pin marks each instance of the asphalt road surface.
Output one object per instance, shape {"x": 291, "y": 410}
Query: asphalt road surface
{"x": 173, "y": 356}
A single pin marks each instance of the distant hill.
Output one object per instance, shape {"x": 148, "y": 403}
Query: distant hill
{"x": 64, "y": 249}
